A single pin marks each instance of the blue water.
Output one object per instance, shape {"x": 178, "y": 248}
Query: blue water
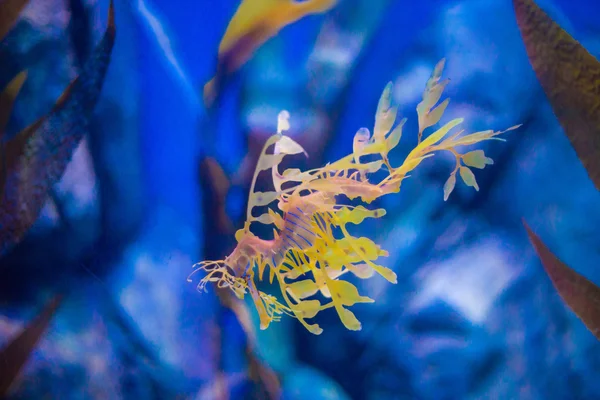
{"x": 473, "y": 315}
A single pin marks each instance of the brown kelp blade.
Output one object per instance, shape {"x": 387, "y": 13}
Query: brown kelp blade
{"x": 255, "y": 22}
{"x": 216, "y": 185}
{"x": 7, "y": 99}
{"x": 16, "y": 353}
{"x": 9, "y": 14}
{"x": 581, "y": 295}
{"x": 570, "y": 77}
{"x": 37, "y": 157}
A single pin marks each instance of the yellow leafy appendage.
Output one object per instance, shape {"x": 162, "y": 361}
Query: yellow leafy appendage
{"x": 312, "y": 250}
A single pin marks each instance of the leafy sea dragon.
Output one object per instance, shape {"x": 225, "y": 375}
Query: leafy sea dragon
{"x": 311, "y": 249}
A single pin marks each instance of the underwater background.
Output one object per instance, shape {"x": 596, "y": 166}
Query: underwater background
{"x": 158, "y": 181}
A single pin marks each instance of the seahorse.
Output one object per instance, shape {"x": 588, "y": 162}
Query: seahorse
{"x": 312, "y": 249}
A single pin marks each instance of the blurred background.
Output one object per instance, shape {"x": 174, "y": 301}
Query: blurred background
{"x": 160, "y": 182}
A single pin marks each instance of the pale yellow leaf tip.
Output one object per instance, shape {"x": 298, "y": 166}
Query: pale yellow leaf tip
{"x": 449, "y": 186}
{"x": 283, "y": 121}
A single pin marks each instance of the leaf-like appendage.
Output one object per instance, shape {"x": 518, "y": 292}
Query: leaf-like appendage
{"x": 358, "y": 214}
{"x": 268, "y": 161}
{"x": 570, "y": 77}
{"x": 16, "y": 352}
{"x": 260, "y": 199}
{"x": 347, "y": 293}
{"x": 288, "y": 146}
{"x": 360, "y": 141}
{"x": 385, "y": 115}
{"x": 581, "y": 295}
{"x": 349, "y": 319}
{"x": 449, "y": 186}
{"x": 37, "y": 157}
{"x": 283, "y": 121}
{"x": 431, "y": 95}
{"x": 9, "y": 14}
{"x": 394, "y": 137}
{"x": 476, "y": 159}
{"x": 440, "y": 133}
{"x": 270, "y": 218}
{"x": 434, "y": 116}
{"x": 295, "y": 175}
{"x": 468, "y": 178}
{"x": 303, "y": 289}
{"x": 362, "y": 271}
